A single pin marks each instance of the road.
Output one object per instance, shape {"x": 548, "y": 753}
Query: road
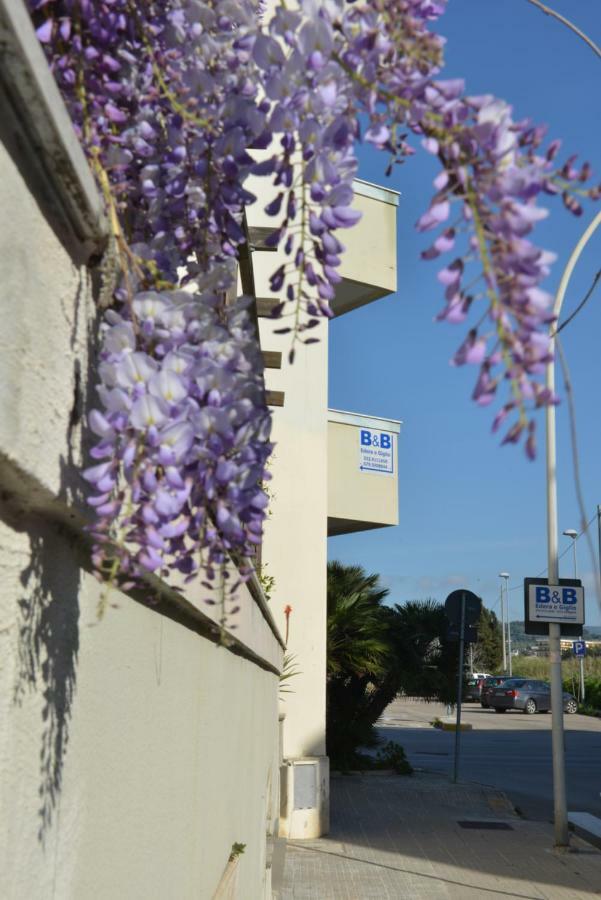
{"x": 510, "y": 752}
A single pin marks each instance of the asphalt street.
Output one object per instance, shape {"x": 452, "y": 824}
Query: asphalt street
{"x": 510, "y": 752}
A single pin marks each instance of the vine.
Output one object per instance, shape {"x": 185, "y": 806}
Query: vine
{"x": 171, "y": 100}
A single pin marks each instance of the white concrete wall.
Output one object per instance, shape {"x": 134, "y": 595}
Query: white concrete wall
{"x": 295, "y": 545}
{"x": 134, "y": 751}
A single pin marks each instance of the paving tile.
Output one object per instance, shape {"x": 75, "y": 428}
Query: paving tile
{"x": 399, "y": 838}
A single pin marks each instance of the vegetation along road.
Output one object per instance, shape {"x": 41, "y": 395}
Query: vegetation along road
{"x": 510, "y": 752}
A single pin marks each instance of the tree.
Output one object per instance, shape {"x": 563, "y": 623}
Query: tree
{"x": 375, "y": 651}
{"x": 358, "y": 655}
{"x": 423, "y": 663}
{"x": 356, "y": 630}
{"x": 488, "y": 651}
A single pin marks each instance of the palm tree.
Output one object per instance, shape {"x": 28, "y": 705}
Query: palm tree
{"x": 358, "y": 655}
{"x": 374, "y": 651}
{"x": 423, "y": 663}
{"x": 356, "y": 628}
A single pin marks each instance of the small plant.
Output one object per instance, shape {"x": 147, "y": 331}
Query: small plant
{"x": 267, "y": 582}
{"x": 236, "y": 851}
{"x": 436, "y": 722}
{"x": 392, "y": 756}
{"x": 289, "y": 670}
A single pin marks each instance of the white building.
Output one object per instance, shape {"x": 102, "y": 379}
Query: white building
{"x": 321, "y": 486}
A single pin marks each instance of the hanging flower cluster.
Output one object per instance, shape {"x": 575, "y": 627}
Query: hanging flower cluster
{"x": 176, "y": 103}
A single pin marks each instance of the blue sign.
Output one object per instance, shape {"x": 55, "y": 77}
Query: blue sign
{"x": 579, "y": 648}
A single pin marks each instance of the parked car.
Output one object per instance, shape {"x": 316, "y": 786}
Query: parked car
{"x": 527, "y": 695}
{"x": 489, "y": 683}
{"x": 473, "y": 689}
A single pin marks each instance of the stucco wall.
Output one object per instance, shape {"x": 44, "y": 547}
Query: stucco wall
{"x": 295, "y": 545}
{"x": 134, "y": 751}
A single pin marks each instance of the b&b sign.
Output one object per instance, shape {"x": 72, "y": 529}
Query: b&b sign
{"x": 556, "y": 603}
{"x": 376, "y": 451}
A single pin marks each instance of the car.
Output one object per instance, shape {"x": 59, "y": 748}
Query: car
{"x": 527, "y": 695}
{"x": 489, "y": 683}
{"x": 472, "y": 689}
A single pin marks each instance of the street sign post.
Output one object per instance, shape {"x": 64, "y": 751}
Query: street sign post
{"x": 579, "y": 650}
{"x": 462, "y": 609}
{"x": 555, "y": 609}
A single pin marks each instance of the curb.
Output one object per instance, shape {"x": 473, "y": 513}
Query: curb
{"x": 452, "y": 726}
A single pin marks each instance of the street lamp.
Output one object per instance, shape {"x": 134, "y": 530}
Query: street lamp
{"x": 505, "y": 612}
{"x": 571, "y": 533}
{"x": 560, "y": 808}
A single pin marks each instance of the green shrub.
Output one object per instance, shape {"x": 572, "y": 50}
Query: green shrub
{"x": 392, "y": 756}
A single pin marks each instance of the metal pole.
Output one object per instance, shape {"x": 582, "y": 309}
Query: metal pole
{"x": 471, "y": 659}
{"x": 557, "y": 739}
{"x": 503, "y": 630}
{"x": 599, "y": 534}
{"x": 581, "y": 660}
{"x": 508, "y": 629}
{"x": 459, "y": 690}
{"x": 559, "y": 776}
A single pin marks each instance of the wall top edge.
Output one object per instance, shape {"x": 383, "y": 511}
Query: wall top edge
{"x": 25, "y": 499}
{"x": 256, "y": 591}
{"x": 376, "y": 192}
{"x": 349, "y": 418}
{"x": 49, "y": 134}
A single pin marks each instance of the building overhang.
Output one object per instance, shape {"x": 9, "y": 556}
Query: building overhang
{"x": 362, "y": 472}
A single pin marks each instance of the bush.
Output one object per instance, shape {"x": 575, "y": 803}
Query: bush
{"x": 592, "y": 694}
{"x": 390, "y": 756}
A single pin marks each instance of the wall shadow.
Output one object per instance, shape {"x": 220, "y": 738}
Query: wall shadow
{"x": 48, "y": 652}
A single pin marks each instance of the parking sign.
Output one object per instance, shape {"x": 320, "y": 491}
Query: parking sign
{"x": 579, "y": 648}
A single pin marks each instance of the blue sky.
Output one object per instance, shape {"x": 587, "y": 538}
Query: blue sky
{"x": 469, "y": 508}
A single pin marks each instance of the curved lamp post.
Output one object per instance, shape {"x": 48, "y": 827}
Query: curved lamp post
{"x": 559, "y": 776}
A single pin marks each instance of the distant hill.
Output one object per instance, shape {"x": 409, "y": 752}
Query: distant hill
{"x": 519, "y": 639}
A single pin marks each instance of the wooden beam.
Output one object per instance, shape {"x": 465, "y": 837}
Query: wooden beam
{"x": 272, "y": 359}
{"x": 257, "y": 236}
{"x": 274, "y": 398}
{"x": 265, "y": 305}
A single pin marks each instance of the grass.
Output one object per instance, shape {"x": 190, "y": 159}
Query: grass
{"x": 538, "y": 667}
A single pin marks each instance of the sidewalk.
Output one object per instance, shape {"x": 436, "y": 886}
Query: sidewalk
{"x": 396, "y": 838}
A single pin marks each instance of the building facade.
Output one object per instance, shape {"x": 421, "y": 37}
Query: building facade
{"x": 330, "y": 476}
